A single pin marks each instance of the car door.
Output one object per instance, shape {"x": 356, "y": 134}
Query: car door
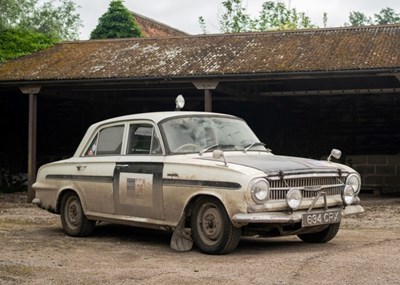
{"x": 138, "y": 173}
{"x": 94, "y": 169}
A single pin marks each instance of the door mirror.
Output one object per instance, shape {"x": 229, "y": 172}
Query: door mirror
{"x": 335, "y": 153}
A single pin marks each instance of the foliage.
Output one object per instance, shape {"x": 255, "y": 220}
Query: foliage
{"x": 60, "y": 21}
{"x": 202, "y": 23}
{"x": 276, "y": 16}
{"x": 385, "y": 16}
{"x": 10, "y": 183}
{"x": 117, "y": 22}
{"x": 273, "y": 16}
{"x": 235, "y": 19}
{"x": 20, "y": 42}
{"x": 27, "y": 26}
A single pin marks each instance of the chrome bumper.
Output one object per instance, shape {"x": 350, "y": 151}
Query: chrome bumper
{"x": 286, "y": 218}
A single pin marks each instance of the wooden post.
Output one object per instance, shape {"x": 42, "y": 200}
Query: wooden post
{"x": 207, "y": 86}
{"x": 207, "y": 100}
{"x": 32, "y": 130}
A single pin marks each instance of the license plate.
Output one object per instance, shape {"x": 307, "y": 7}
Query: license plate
{"x": 321, "y": 218}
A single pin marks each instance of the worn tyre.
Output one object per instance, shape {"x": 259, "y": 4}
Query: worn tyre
{"x": 212, "y": 230}
{"x": 73, "y": 219}
{"x": 322, "y": 236}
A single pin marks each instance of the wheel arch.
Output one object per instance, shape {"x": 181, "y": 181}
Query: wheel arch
{"x": 64, "y": 192}
{"x": 188, "y": 210}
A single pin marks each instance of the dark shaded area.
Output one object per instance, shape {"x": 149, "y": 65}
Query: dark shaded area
{"x": 294, "y": 125}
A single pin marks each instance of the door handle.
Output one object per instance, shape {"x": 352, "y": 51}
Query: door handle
{"x": 119, "y": 166}
{"x": 80, "y": 166}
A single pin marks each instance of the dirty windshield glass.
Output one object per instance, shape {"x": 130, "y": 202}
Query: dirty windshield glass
{"x": 204, "y": 133}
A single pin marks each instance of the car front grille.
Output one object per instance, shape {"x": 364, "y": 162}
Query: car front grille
{"x": 310, "y": 186}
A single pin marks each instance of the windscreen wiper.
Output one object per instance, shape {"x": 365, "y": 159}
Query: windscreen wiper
{"x": 246, "y": 148}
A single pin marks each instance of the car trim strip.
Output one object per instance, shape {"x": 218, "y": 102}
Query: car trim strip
{"x": 88, "y": 178}
{"x": 201, "y": 183}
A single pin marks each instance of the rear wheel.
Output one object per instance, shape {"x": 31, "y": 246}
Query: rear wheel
{"x": 213, "y": 232}
{"x": 322, "y": 236}
{"x": 73, "y": 219}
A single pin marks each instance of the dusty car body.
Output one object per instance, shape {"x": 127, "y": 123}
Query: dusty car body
{"x": 203, "y": 176}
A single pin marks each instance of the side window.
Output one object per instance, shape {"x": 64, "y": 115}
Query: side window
{"x": 143, "y": 140}
{"x": 107, "y": 142}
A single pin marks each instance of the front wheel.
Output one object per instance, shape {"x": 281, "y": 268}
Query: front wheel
{"x": 73, "y": 219}
{"x": 213, "y": 232}
{"x": 322, "y": 236}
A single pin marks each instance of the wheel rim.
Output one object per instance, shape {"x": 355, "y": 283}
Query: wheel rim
{"x": 209, "y": 223}
{"x": 73, "y": 212}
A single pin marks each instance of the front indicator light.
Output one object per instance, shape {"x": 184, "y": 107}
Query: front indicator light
{"x": 293, "y": 198}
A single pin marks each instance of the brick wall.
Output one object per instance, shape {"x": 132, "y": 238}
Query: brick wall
{"x": 378, "y": 172}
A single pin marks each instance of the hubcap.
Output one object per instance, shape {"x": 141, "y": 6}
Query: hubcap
{"x": 210, "y": 224}
{"x": 74, "y": 212}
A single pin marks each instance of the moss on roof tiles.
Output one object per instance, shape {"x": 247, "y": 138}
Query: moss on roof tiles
{"x": 374, "y": 47}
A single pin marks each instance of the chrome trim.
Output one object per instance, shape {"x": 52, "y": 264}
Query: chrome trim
{"x": 287, "y": 218}
{"x": 306, "y": 175}
{"x": 315, "y": 201}
{"x": 310, "y": 186}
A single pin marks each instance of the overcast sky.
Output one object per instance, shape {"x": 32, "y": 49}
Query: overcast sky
{"x": 184, "y": 14}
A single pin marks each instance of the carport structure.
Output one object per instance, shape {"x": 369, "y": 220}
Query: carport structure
{"x": 303, "y": 92}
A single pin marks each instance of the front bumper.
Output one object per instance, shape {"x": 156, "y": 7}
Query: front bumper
{"x": 286, "y": 218}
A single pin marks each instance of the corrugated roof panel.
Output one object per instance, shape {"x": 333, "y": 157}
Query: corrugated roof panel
{"x": 247, "y": 53}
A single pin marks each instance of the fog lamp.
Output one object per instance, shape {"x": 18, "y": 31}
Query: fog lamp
{"x": 293, "y": 198}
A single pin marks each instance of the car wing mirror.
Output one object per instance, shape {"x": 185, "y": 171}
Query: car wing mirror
{"x": 219, "y": 154}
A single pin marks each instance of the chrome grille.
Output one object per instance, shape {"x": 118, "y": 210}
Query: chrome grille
{"x": 331, "y": 185}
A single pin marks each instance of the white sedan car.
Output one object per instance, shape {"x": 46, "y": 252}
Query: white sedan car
{"x": 203, "y": 176}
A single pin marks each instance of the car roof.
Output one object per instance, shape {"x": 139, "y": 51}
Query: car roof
{"x": 157, "y": 117}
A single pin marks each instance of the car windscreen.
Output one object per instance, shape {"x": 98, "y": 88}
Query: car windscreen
{"x": 203, "y": 133}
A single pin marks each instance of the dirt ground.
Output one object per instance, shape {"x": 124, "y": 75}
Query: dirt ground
{"x": 34, "y": 250}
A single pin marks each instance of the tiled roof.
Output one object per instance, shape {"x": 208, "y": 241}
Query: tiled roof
{"x": 152, "y": 28}
{"x": 337, "y": 49}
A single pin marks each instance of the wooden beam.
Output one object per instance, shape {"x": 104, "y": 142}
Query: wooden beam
{"x": 332, "y": 92}
{"x": 32, "y": 145}
{"x": 32, "y": 131}
{"x": 207, "y": 100}
{"x": 207, "y": 86}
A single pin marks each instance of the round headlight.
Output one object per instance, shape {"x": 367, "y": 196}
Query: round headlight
{"x": 260, "y": 191}
{"x": 293, "y": 198}
{"x": 354, "y": 181}
{"x": 348, "y": 194}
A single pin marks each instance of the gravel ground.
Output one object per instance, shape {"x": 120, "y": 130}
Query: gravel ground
{"x": 34, "y": 250}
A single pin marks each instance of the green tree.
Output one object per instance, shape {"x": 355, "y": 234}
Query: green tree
{"x": 62, "y": 21}
{"x": 273, "y": 16}
{"x": 385, "y": 16}
{"x": 235, "y": 19}
{"x": 27, "y": 26}
{"x": 18, "y": 42}
{"x": 117, "y": 22}
{"x": 276, "y": 16}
